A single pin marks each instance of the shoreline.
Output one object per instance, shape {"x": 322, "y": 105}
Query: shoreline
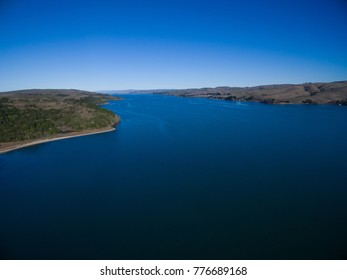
{"x": 18, "y": 146}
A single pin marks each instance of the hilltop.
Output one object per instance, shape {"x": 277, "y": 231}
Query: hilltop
{"x": 46, "y": 114}
{"x": 307, "y": 93}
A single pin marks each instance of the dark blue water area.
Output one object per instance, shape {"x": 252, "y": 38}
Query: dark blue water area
{"x": 183, "y": 178}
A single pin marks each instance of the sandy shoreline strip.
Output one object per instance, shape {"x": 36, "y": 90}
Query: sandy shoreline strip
{"x": 40, "y": 141}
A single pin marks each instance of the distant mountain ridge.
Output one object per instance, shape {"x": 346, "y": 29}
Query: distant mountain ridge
{"x": 132, "y": 91}
{"x": 307, "y": 93}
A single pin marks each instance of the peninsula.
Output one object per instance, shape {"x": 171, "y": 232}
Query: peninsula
{"x": 307, "y": 93}
{"x": 30, "y": 117}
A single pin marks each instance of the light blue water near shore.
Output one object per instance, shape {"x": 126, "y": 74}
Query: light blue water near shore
{"x": 183, "y": 179}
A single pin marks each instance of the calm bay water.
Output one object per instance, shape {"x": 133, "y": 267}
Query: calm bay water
{"x": 183, "y": 179}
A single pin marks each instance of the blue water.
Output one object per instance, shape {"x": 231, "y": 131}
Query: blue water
{"x": 183, "y": 178}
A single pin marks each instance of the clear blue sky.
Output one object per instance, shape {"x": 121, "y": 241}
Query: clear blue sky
{"x": 148, "y": 44}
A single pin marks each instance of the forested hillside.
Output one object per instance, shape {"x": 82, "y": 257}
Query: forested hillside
{"x": 33, "y": 114}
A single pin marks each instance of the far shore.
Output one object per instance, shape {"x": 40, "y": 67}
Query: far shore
{"x": 7, "y": 147}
